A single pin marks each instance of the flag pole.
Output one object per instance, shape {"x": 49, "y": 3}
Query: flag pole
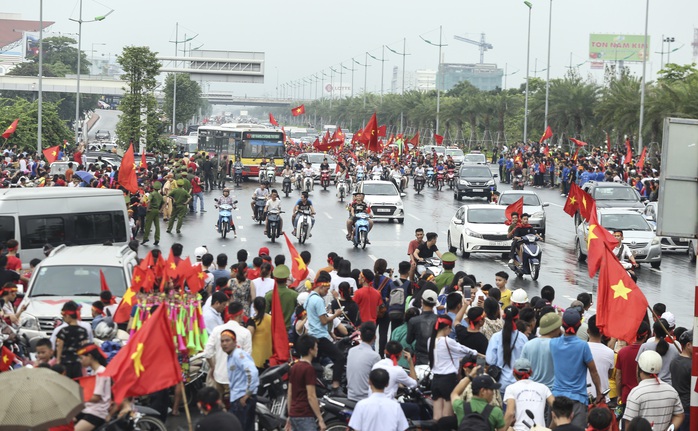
{"x": 186, "y": 404}
{"x": 661, "y": 324}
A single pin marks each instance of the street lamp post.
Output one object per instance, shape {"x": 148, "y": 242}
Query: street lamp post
{"x": 402, "y": 92}
{"x": 668, "y": 40}
{"x": 438, "y": 75}
{"x": 644, "y": 72}
{"x": 174, "y": 84}
{"x": 547, "y": 72}
{"x": 77, "y": 93}
{"x": 352, "y": 78}
{"x": 382, "y": 60}
{"x": 528, "y": 58}
{"x": 365, "y": 66}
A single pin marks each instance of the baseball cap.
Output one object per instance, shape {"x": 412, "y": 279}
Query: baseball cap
{"x": 686, "y": 337}
{"x": 200, "y": 251}
{"x": 549, "y": 322}
{"x": 484, "y": 382}
{"x": 429, "y": 297}
{"x": 263, "y": 251}
{"x": 571, "y": 317}
{"x": 650, "y": 362}
{"x": 670, "y": 319}
{"x": 522, "y": 365}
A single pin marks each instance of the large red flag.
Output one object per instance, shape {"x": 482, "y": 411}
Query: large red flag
{"x": 370, "y": 134}
{"x": 546, "y": 135}
{"x": 103, "y": 286}
{"x": 573, "y": 200}
{"x": 272, "y": 120}
{"x": 576, "y": 153}
{"x": 439, "y": 139}
{"x": 598, "y": 239}
{"x": 298, "y": 110}
{"x": 621, "y": 305}
{"x": 196, "y": 279}
{"x": 546, "y": 150}
{"x": 144, "y": 162}
{"x": 641, "y": 161}
{"x": 51, "y": 154}
{"x": 415, "y": 140}
{"x": 382, "y": 130}
{"x": 279, "y": 335}
{"x": 127, "y": 173}
{"x": 628, "y": 152}
{"x": 515, "y": 207}
{"x": 148, "y": 363}
{"x": 298, "y": 269}
{"x": 587, "y": 205}
{"x": 578, "y": 142}
{"x": 123, "y": 310}
{"x": 326, "y": 137}
{"x": 10, "y": 130}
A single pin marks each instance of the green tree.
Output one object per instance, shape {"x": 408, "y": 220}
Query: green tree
{"x": 140, "y": 118}
{"x": 188, "y": 98}
{"x": 54, "y": 130}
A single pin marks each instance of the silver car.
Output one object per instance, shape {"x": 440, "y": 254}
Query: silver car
{"x": 531, "y": 205}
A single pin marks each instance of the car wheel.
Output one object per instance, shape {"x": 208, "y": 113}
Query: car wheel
{"x": 451, "y": 248}
{"x": 401, "y": 220}
{"x": 581, "y": 257}
{"x": 691, "y": 253}
{"x": 463, "y": 253}
{"x": 656, "y": 265}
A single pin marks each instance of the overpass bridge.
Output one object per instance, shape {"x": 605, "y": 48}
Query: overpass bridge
{"x": 104, "y": 86}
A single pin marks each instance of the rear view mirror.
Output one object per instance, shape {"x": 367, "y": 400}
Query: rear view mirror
{"x": 546, "y": 204}
{"x": 457, "y": 221}
{"x": 495, "y": 175}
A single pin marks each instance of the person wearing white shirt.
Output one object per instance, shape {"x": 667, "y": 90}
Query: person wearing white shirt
{"x": 604, "y": 357}
{"x": 378, "y": 412}
{"x": 212, "y": 312}
{"x": 398, "y": 375}
{"x": 525, "y": 395}
{"x": 218, "y": 359}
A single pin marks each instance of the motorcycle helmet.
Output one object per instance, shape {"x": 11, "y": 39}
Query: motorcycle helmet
{"x": 106, "y": 329}
{"x": 200, "y": 251}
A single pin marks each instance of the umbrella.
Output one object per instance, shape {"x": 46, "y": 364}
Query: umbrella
{"x": 85, "y": 176}
{"x": 37, "y": 398}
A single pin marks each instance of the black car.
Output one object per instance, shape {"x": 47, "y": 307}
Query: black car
{"x": 103, "y": 135}
{"x": 612, "y": 195}
{"x": 475, "y": 181}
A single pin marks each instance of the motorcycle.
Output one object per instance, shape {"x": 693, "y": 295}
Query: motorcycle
{"x": 259, "y": 205}
{"x": 431, "y": 264}
{"x": 225, "y": 218}
{"x": 360, "y": 237}
{"x": 439, "y": 182}
{"x": 325, "y": 179}
{"x": 262, "y": 174}
{"x": 286, "y": 184}
{"x": 419, "y": 181}
{"x": 238, "y": 176}
{"x": 398, "y": 180}
{"x": 271, "y": 174}
{"x": 307, "y": 184}
{"x": 272, "y": 398}
{"x": 451, "y": 178}
{"x": 274, "y": 218}
{"x": 298, "y": 180}
{"x": 430, "y": 176}
{"x": 342, "y": 189}
{"x": 517, "y": 183}
{"x": 304, "y": 225}
{"x": 140, "y": 418}
{"x": 359, "y": 176}
{"x": 532, "y": 255}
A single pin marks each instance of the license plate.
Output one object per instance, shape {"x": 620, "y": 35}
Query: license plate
{"x": 382, "y": 210}
{"x": 503, "y": 243}
{"x": 478, "y": 190}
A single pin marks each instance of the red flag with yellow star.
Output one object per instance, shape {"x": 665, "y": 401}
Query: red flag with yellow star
{"x": 279, "y": 335}
{"x": 621, "y": 305}
{"x": 298, "y": 269}
{"x": 573, "y": 200}
{"x": 10, "y": 130}
{"x": 598, "y": 239}
{"x": 127, "y": 171}
{"x": 51, "y": 154}
{"x": 370, "y": 134}
{"x": 196, "y": 279}
{"x": 7, "y": 359}
{"x": 148, "y": 363}
{"x": 298, "y": 110}
{"x": 138, "y": 282}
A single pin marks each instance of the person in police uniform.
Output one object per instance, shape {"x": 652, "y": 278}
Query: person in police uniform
{"x": 180, "y": 199}
{"x": 152, "y": 215}
{"x": 445, "y": 278}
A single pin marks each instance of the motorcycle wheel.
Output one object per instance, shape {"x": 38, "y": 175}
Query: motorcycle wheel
{"x": 302, "y": 234}
{"x": 149, "y": 423}
{"x": 224, "y": 230}
{"x": 362, "y": 239}
{"x": 336, "y": 426}
{"x": 535, "y": 271}
{"x": 272, "y": 234}
{"x": 341, "y": 196}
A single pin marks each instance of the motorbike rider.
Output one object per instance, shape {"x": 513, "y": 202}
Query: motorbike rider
{"x": 426, "y": 250}
{"x": 398, "y": 172}
{"x": 237, "y": 167}
{"x": 377, "y": 170}
{"x": 519, "y": 233}
{"x": 324, "y": 166}
{"x": 274, "y": 205}
{"x": 623, "y": 252}
{"x": 261, "y": 192}
{"x": 303, "y": 204}
{"x": 357, "y": 206}
{"x": 226, "y": 199}
{"x": 419, "y": 172}
{"x": 287, "y": 171}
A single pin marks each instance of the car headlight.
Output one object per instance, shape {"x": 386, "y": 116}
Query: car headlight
{"x": 656, "y": 241}
{"x": 27, "y": 321}
{"x": 464, "y": 183}
{"x": 539, "y": 214}
{"x": 490, "y": 182}
{"x": 472, "y": 233}
{"x": 398, "y": 204}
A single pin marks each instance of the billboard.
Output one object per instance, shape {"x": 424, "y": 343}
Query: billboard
{"x": 617, "y": 47}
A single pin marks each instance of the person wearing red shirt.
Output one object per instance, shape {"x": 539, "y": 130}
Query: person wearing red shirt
{"x": 13, "y": 262}
{"x": 626, "y": 366}
{"x": 419, "y": 240}
{"x": 197, "y": 192}
{"x": 367, "y": 298}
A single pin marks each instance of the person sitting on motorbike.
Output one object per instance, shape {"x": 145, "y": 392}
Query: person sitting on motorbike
{"x": 398, "y": 172}
{"x": 261, "y": 192}
{"x": 361, "y": 168}
{"x": 273, "y": 205}
{"x": 450, "y": 164}
{"x": 419, "y": 171}
{"x": 358, "y": 206}
{"x": 226, "y": 199}
{"x": 519, "y": 233}
{"x": 324, "y": 166}
{"x": 303, "y": 204}
{"x": 287, "y": 171}
{"x": 299, "y": 166}
{"x": 238, "y": 167}
{"x": 426, "y": 250}
{"x": 623, "y": 252}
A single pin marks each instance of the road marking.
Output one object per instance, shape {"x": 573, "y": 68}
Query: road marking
{"x": 345, "y": 231}
{"x": 556, "y": 205}
{"x": 238, "y": 217}
{"x": 414, "y": 217}
{"x": 243, "y": 239}
{"x": 240, "y": 227}
{"x": 373, "y": 257}
{"x": 658, "y": 271}
{"x": 328, "y": 215}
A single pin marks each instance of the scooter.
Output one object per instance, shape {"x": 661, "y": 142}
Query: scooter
{"x": 532, "y": 256}
{"x": 298, "y": 180}
{"x": 397, "y": 179}
{"x": 419, "y": 181}
{"x": 262, "y": 174}
{"x": 307, "y": 184}
{"x": 304, "y": 225}
{"x": 274, "y": 218}
{"x": 451, "y": 178}
{"x": 439, "y": 182}
{"x": 238, "y": 176}
{"x": 259, "y": 205}
{"x": 225, "y": 218}
{"x": 517, "y": 183}
{"x": 360, "y": 237}
{"x": 430, "y": 176}
{"x": 325, "y": 179}
{"x": 342, "y": 189}
{"x": 272, "y": 398}
{"x": 286, "y": 184}
{"x": 431, "y": 264}
{"x": 271, "y": 174}
{"x": 376, "y": 176}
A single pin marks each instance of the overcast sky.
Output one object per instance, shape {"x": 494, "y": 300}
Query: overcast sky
{"x": 302, "y": 37}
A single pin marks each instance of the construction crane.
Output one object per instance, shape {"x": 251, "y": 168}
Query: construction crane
{"x": 484, "y": 46}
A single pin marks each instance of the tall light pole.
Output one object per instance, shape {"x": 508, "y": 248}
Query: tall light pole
{"x": 668, "y": 54}
{"x": 365, "y": 76}
{"x": 174, "y": 84}
{"x": 340, "y": 73}
{"x": 547, "y": 73}
{"x": 438, "y": 75}
{"x": 41, "y": 76}
{"x": 382, "y": 60}
{"x": 352, "y": 78}
{"x": 322, "y": 88}
{"x": 644, "y": 75}
{"x": 77, "y": 92}
{"x": 402, "y": 92}
{"x": 365, "y": 66}
{"x": 528, "y": 59}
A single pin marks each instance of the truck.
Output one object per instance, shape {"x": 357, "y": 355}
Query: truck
{"x": 188, "y": 143}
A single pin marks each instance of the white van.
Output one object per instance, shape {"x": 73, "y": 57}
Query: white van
{"x": 62, "y": 215}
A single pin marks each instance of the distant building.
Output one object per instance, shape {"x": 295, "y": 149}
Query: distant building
{"x": 485, "y": 77}
{"x": 425, "y": 80}
{"x": 19, "y": 40}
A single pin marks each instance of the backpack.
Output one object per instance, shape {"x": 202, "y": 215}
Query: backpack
{"x": 475, "y": 421}
{"x": 396, "y": 300}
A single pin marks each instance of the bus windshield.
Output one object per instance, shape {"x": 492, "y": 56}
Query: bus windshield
{"x": 257, "y": 149}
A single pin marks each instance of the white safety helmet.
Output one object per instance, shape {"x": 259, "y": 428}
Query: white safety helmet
{"x": 519, "y": 296}
{"x": 302, "y": 297}
{"x": 650, "y": 362}
{"x": 199, "y": 252}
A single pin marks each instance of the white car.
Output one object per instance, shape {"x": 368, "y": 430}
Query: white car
{"x": 531, "y": 205}
{"x": 638, "y": 235}
{"x": 479, "y": 228}
{"x": 456, "y": 154}
{"x": 669, "y": 243}
{"x": 476, "y": 158}
{"x": 384, "y": 199}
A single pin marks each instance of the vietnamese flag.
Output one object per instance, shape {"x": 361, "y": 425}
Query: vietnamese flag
{"x": 279, "y": 334}
{"x": 103, "y": 286}
{"x": 598, "y": 239}
{"x": 299, "y": 271}
{"x": 196, "y": 279}
{"x": 127, "y": 173}
{"x": 10, "y": 130}
{"x": 516, "y": 207}
{"x": 587, "y": 205}
{"x": 298, "y": 110}
{"x": 371, "y": 134}
{"x": 382, "y": 130}
{"x": 621, "y": 305}
{"x": 546, "y": 135}
{"x": 439, "y": 139}
{"x": 144, "y": 163}
{"x": 148, "y": 363}
{"x": 51, "y": 154}
{"x": 641, "y": 161}
{"x": 138, "y": 282}
{"x": 7, "y": 359}
{"x": 578, "y": 142}
{"x": 576, "y": 153}
{"x": 272, "y": 120}
{"x": 573, "y": 200}
{"x": 546, "y": 150}
{"x": 628, "y": 152}
{"x": 415, "y": 140}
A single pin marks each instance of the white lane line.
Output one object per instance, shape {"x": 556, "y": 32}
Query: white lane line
{"x": 556, "y": 205}
{"x": 345, "y": 231}
{"x": 243, "y": 239}
{"x": 240, "y": 227}
{"x": 328, "y": 215}
{"x": 374, "y": 258}
{"x": 655, "y": 270}
{"x": 414, "y": 217}
{"x": 238, "y": 217}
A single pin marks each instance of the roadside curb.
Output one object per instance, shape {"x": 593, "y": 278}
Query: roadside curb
{"x": 91, "y": 121}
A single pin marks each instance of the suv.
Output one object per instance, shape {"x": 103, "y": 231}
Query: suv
{"x": 475, "y": 181}
{"x": 103, "y": 135}
{"x": 73, "y": 274}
